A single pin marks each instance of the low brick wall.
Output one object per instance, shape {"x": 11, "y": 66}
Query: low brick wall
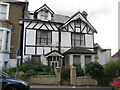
{"x": 44, "y": 80}
{"x": 47, "y": 79}
{"x": 82, "y": 81}
{"x": 86, "y": 81}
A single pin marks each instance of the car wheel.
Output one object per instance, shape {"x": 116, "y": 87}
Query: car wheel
{"x": 12, "y": 88}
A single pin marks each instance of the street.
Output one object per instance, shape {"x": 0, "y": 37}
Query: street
{"x": 48, "y": 87}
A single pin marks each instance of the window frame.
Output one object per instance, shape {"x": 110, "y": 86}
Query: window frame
{"x": 75, "y": 40}
{"x": 44, "y": 15}
{"x": 7, "y": 10}
{"x": 47, "y": 40}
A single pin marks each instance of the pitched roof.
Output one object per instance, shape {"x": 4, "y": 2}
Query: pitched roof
{"x": 98, "y": 46}
{"x": 12, "y": 1}
{"x": 116, "y": 55}
{"x": 79, "y": 50}
{"x": 54, "y": 53}
{"x": 44, "y": 6}
{"x": 60, "y": 18}
{"x": 79, "y": 15}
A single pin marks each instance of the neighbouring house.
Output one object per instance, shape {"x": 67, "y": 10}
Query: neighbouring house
{"x": 58, "y": 40}
{"x": 10, "y": 13}
{"x": 103, "y": 55}
{"x": 116, "y": 56}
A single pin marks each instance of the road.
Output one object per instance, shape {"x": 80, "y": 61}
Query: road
{"x": 44, "y": 87}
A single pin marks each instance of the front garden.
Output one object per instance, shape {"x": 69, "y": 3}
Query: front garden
{"x": 104, "y": 74}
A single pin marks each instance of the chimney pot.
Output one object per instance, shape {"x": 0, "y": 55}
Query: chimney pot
{"x": 85, "y": 14}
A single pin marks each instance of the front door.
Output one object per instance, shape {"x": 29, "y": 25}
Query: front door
{"x": 54, "y": 64}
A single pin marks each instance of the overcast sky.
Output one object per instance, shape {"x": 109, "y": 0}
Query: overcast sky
{"x": 102, "y": 14}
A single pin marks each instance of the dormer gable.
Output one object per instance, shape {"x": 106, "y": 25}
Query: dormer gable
{"x": 44, "y": 13}
{"x": 78, "y": 18}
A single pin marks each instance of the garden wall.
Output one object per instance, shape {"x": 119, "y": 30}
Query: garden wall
{"x": 82, "y": 81}
{"x": 47, "y": 79}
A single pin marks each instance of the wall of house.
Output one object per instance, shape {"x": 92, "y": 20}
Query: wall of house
{"x": 103, "y": 57}
{"x": 15, "y": 14}
{"x": 80, "y": 27}
{"x": 30, "y": 39}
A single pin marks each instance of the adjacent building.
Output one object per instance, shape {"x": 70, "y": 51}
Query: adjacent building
{"x": 10, "y": 13}
{"x": 102, "y": 55}
{"x": 116, "y": 56}
{"x": 58, "y": 40}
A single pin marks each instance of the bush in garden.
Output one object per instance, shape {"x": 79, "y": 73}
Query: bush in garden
{"x": 65, "y": 74}
{"x": 79, "y": 71}
{"x": 94, "y": 69}
{"x": 10, "y": 71}
{"x": 111, "y": 71}
{"x": 30, "y": 73}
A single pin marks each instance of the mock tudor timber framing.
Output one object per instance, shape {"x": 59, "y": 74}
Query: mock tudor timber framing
{"x": 75, "y": 24}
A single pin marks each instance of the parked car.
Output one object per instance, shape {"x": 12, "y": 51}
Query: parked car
{"x": 9, "y": 83}
{"x": 116, "y": 84}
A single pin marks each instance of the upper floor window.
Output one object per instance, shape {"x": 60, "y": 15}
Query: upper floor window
{"x": 44, "y": 37}
{"x": 44, "y": 15}
{"x": 77, "y": 39}
{"x": 4, "y": 10}
{"x": 7, "y": 40}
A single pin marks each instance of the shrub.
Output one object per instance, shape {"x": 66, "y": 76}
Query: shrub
{"x": 111, "y": 71}
{"x": 65, "y": 74}
{"x": 10, "y": 71}
{"x": 79, "y": 71}
{"x": 94, "y": 69}
{"x": 30, "y": 73}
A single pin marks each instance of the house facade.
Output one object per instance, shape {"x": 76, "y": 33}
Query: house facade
{"x": 58, "y": 40}
{"x": 10, "y": 13}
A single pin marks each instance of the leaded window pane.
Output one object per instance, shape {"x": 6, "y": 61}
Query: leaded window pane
{"x": 43, "y": 37}
{"x": 77, "y": 39}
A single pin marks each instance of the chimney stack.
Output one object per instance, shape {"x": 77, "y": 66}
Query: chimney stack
{"x": 85, "y": 14}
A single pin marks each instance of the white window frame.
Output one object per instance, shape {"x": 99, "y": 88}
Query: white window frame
{"x": 7, "y": 12}
{"x": 47, "y": 39}
{"x": 79, "y": 40}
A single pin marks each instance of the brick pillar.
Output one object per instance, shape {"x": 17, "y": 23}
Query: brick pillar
{"x": 58, "y": 75}
{"x": 73, "y": 75}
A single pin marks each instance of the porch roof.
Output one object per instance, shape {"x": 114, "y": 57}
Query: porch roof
{"x": 79, "y": 50}
{"x": 54, "y": 53}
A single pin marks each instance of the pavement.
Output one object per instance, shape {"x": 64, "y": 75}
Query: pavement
{"x": 67, "y": 86}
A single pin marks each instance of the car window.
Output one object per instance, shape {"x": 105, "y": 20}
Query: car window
{"x": 3, "y": 75}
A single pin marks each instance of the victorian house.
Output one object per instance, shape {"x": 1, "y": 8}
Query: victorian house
{"x": 57, "y": 40}
{"x": 10, "y": 13}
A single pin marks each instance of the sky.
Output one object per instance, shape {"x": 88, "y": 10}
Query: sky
{"x": 102, "y": 14}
